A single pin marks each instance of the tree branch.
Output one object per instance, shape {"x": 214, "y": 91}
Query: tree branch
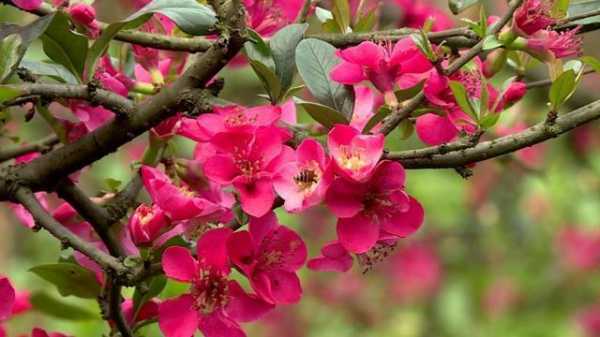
{"x": 17, "y": 151}
{"x": 25, "y": 197}
{"x": 500, "y": 146}
{"x": 107, "y": 99}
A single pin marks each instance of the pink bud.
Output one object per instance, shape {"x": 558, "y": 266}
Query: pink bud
{"x": 83, "y": 14}
{"x": 146, "y": 224}
{"x": 28, "y": 5}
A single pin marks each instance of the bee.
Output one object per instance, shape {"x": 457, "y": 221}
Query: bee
{"x": 306, "y": 177}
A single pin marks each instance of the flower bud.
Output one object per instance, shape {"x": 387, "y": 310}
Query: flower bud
{"x": 146, "y": 224}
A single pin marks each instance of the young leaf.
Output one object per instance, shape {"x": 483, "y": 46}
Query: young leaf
{"x": 268, "y": 78}
{"x": 382, "y": 113}
{"x": 14, "y": 41}
{"x": 366, "y": 22}
{"x": 69, "y": 279}
{"x": 491, "y": 42}
{"x": 560, "y": 8}
{"x": 315, "y": 59}
{"x": 189, "y": 15}
{"x": 325, "y": 115}
{"x": 64, "y": 46}
{"x": 408, "y": 93}
{"x": 54, "y": 70}
{"x": 49, "y": 305}
{"x": 283, "y": 47}
{"x": 406, "y": 128}
{"x": 592, "y": 62}
{"x": 8, "y": 92}
{"x": 341, "y": 14}
{"x": 152, "y": 289}
{"x": 462, "y": 98}
{"x": 562, "y": 88}
{"x": 457, "y": 6}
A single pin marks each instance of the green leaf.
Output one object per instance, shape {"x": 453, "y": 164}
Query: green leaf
{"x": 283, "y": 47}
{"x": 54, "y": 70}
{"x": 146, "y": 291}
{"x": 315, "y": 59}
{"x": 190, "y": 16}
{"x": 258, "y": 50}
{"x": 14, "y": 41}
{"x": 54, "y": 307}
{"x": 408, "y": 93}
{"x": 268, "y": 78}
{"x": 582, "y": 7}
{"x": 112, "y": 184}
{"x": 325, "y": 115}
{"x": 366, "y": 22}
{"x": 8, "y": 92}
{"x": 381, "y": 114}
{"x": 562, "y": 88}
{"x": 64, "y": 46}
{"x": 69, "y": 279}
{"x": 489, "y": 120}
{"x": 457, "y": 6}
{"x": 422, "y": 41}
{"x": 592, "y": 62}
{"x": 341, "y": 14}
{"x": 406, "y": 128}
{"x": 560, "y": 8}
{"x": 491, "y": 42}
{"x": 462, "y": 98}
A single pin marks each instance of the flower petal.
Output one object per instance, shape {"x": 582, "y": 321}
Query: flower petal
{"x": 244, "y": 307}
{"x": 256, "y": 196}
{"x": 406, "y": 223}
{"x": 178, "y": 264}
{"x": 7, "y": 294}
{"x": 357, "y": 234}
{"x": 177, "y": 317}
{"x": 212, "y": 249}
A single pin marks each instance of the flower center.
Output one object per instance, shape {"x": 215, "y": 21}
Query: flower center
{"x": 308, "y": 178}
{"x": 239, "y": 119}
{"x": 352, "y": 158}
{"x": 378, "y": 207}
{"x": 248, "y": 167}
{"x": 210, "y": 291}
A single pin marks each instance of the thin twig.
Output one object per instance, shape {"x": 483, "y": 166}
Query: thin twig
{"x": 17, "y": 151}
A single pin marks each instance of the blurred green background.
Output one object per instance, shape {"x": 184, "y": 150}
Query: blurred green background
{"x": 496, "y": 256}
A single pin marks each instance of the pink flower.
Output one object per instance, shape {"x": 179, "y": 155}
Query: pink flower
{"x": 376, "y": 208}
{"x": 249, "y": 161}
{"x": 579, "y": 250}
{"x": 28, "y": 5}
{"x": 302, "y": 183}
{"x": 269, "y": 255}
{"x": 214, "y": 304}
{"x": 92, "y": 117}
{"x": 416, "y": 271}
{"x": 435, "y": 129}
{"x": 416, "y": 13}
{"x": 268, "y": 16}
{"x": 177, "y": 202}
{"x": 334, "y": 257}
{"x": 532, "y": 16}
{"x": 85, "y": 15}
{"x": 149, "y": 310}
{"x": 385, "y": 67}
{"x": 549, "y": 43}
{"x": 7, "y": 294}
{"x": 146, "y": 224}
{"x": 229, "y": 118}
{"x": 37, "y": 332}
{"x": 365, "y": 106}
{"x": 589, "y": 320}
{"x": 355, "y": 155}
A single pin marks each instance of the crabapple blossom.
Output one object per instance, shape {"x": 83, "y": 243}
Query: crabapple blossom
{"x": 334, "y": 257}
{"x": 147, "y": 223}
{"x": 85, "y": 15}
{"x": 533, "y": 16}
{"x": 401, "y": 65}
{"x": 374, "y": 209}
{"x": 268, "y": 16}
{"x": 215, "y": 304}
{"x": 269, "y": 254}
{"x": 354, "y": 155}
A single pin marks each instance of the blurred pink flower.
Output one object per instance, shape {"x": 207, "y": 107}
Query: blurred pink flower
{"x": 579, "y": 250}
{"x": 533, "y": 16}
{"x": 416, "y": 13}
{"x": 28, "y": 5}
{"x": 415, "y": 271}
{"x": 268, "y": 16}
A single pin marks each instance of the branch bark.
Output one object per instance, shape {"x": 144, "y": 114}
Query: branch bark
{"x": 503, "y": 145}
{"x": 17, "y": 151}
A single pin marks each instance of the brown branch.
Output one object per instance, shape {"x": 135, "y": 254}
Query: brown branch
{"x": 25, "y": 197}
{"x": 107, "y": 99}
{"x": 17, "y": 151}
{"x": 503, "y": 145}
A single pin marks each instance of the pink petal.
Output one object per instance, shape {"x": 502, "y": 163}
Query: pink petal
{"x": 256, "y": 196}
{"x": 347, "y": 73}
{"x": 388, "y": 176}
{"x": 287, "y": 245}
{"x": 367, "y": 54}
{"x": 177, "y": 317}
{"x": 288, "y": 112}
{"x": 335, "y": 258}
{"x": 435, "y": 130}
{"x": 244, "y": 307}
{"x": 178, "y": 264}
{"x": 221, "y": 169}
{"x": 260, "y": 227}
{"x": 278, "y": 286}
{"x": 212, "y": 249}
{"x": 28, "y": 5}
{"x": 404, "y": 224}
{"x": 241, "y": 250}
{"x": 7, "y": 296}
{"x": 217, "y": 324}
{"x": 357, "y": 234}
{"x": 310, "y": 150}
{"x": 344, "y": 198}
